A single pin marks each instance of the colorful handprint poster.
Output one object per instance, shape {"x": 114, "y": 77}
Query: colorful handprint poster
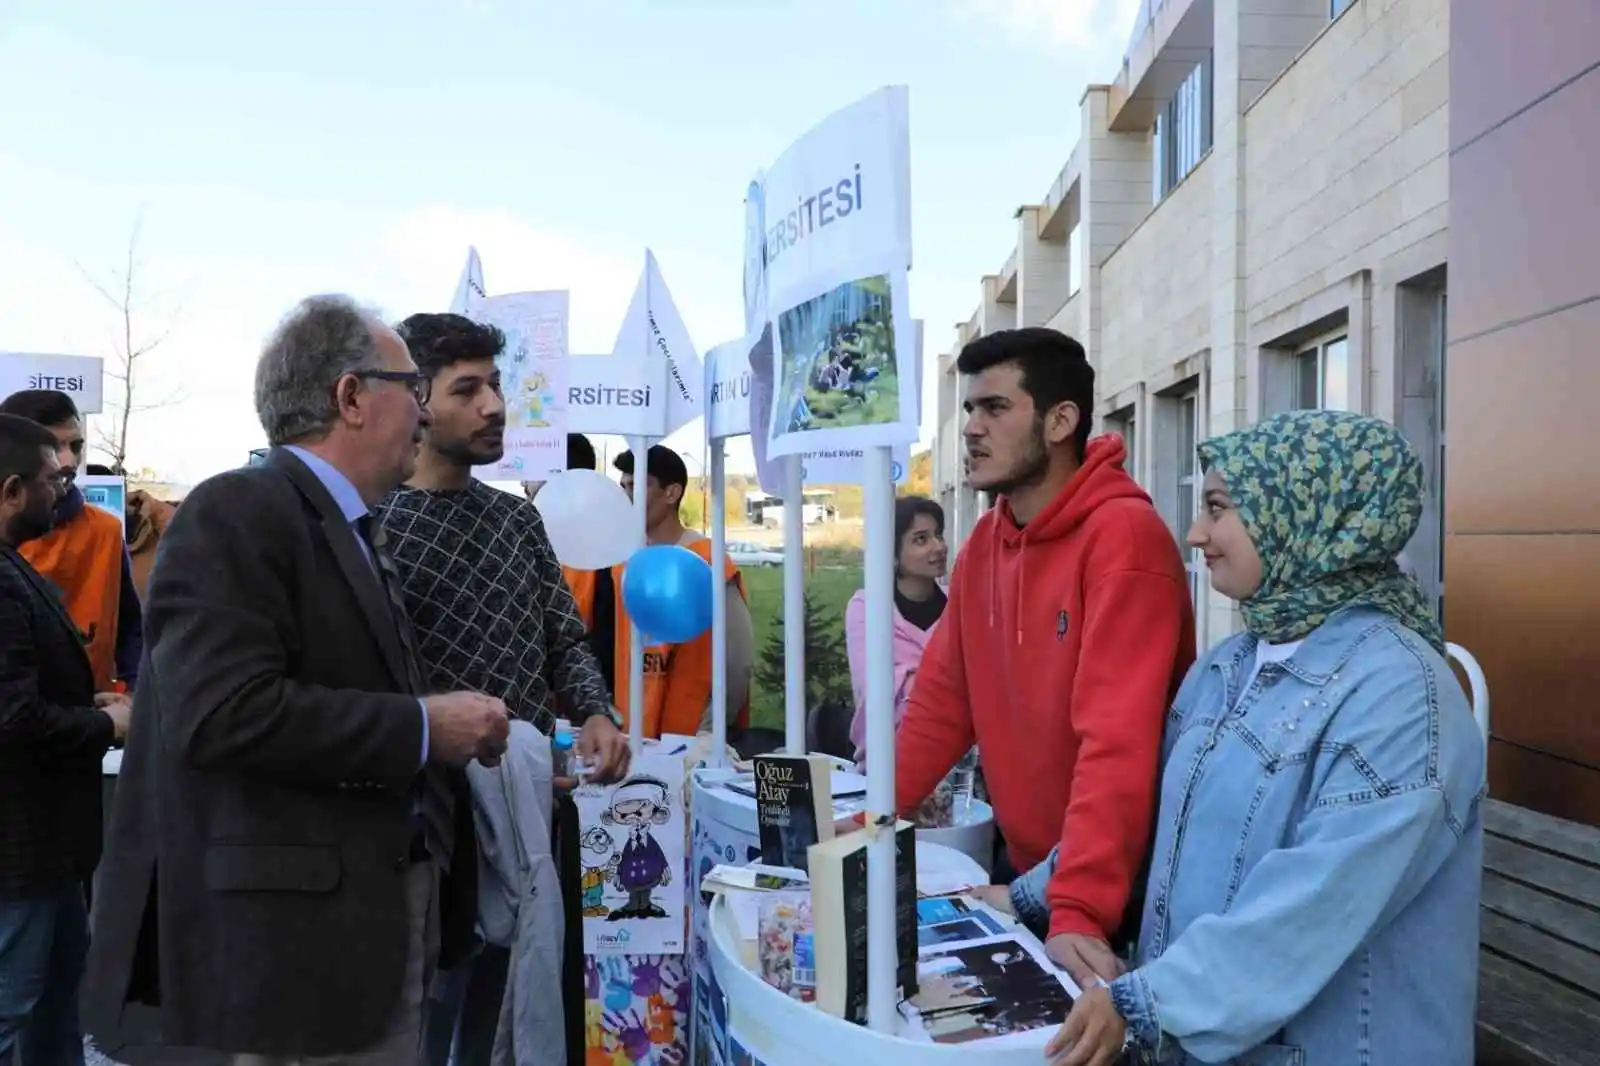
{"x": 637, "y": 1010}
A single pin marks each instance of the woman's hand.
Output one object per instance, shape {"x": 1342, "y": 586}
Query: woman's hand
{"x": 1086, "y": 958}
{"x": 1094, "y": 1034}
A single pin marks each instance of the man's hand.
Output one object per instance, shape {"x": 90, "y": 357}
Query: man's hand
{"x": 463, "y": 726}
{"x": 605, "y": 748}
{"x": 846, "y": 825}
{"x": 998, "y": 897}
{"x": 1094, "y": 1033}
{"x": 119, "y": 709}
{"x": 1084, "y": 957}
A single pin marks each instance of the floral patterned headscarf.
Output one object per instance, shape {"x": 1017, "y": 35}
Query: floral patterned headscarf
{"x": 1329, "y": 500}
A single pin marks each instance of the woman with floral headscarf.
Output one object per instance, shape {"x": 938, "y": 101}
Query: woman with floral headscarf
{"x": 1313, "y": 895}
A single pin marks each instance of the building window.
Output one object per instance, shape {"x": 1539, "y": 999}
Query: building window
{"x": 1337, "y": 7}
{"x": 1419, "y": 377}
{"x": 1443, "y": 319}
{"x": 1125, "y": 423}
{"x": 1322, "y": 375}
{"x": 1189, "y": 481}
{"x": 1183, "y": 130}
{"x": 1074, "y": 271}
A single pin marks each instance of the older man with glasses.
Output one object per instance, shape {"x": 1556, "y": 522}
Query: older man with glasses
{"x": 293, "y": 794}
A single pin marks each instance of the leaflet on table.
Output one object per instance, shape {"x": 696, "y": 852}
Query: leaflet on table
{"x": 757, "y": 877}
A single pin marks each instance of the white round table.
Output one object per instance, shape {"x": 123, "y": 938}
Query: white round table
{"x": 734, "y": 816}
{"x": 775, "y": 1030}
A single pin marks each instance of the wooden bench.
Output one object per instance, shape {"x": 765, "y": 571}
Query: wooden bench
{"x": 1539, "y": 974}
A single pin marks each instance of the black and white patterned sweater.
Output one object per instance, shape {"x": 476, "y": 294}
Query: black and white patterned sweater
{"x": 487, "y": 599}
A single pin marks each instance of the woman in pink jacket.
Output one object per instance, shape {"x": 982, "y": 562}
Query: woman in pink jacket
{"x": 919, "y": 599}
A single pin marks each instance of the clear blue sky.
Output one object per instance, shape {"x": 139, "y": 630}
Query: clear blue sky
{"x": 355, "y": 145}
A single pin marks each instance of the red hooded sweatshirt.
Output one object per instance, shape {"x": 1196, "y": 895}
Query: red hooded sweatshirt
{"x": 1059, "y": 653}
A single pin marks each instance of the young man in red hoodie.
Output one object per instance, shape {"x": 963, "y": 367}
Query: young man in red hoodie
{"x": 1068, "y": 629}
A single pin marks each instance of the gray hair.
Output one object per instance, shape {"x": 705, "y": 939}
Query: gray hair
{"x": 321, "y": 340}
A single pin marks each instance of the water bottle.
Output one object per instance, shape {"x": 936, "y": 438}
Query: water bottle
{"x": 562, "y": 755}
{"x": 964, "y": 780}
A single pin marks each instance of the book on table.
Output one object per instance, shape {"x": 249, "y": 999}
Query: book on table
{"x": 794, "y": 806}
{"x": 838, "y": 869}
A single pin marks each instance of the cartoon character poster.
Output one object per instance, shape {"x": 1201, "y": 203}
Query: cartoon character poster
{"x": 632, "y": 846}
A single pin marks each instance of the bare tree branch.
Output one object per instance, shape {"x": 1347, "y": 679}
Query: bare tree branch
{"x": 131, "y": 342}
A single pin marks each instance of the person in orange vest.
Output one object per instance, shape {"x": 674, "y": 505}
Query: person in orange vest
{"x": 677, "y": 677}
{"x": 85, "y": 554}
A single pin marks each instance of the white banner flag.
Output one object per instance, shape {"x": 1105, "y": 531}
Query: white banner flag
{"x": 654, "y": 329}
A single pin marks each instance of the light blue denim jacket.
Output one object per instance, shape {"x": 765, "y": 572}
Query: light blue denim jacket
{"x": 1313, "y": 895}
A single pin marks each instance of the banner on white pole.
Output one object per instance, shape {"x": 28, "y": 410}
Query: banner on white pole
{"x": 80, "y": 376}
{"x": 826, "y": 294}
{"x": 533, "y": 380}
{"x": 728, "y": 383}
{"x": 837, "y": 297}
{"x": 618, "y": 394}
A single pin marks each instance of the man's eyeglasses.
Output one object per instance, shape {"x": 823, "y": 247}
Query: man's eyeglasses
{"x": 421, "y": 387}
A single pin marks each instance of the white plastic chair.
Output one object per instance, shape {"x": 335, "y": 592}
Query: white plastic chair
{"x": 1477, "y": 684}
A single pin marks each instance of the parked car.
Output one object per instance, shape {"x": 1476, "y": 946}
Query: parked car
{"x": 747, "y": 554}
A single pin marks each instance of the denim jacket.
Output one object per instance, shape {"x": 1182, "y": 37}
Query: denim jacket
{"x": 1313, "y": 896}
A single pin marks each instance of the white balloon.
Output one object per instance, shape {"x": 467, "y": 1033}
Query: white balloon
{"x": 590, "y": 521}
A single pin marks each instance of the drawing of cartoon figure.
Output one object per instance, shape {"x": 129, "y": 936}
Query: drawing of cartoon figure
{"x": 535, "y": 394}
{"x": 638, "y": 805}
{"x": 599, "y": 866}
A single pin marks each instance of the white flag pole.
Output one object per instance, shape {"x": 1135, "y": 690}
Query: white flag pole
{"x": 719, "y": 603}
{"x": 794, "y": 608}
{"x": 878, "y": 580}
{"x": 641, "y": 497}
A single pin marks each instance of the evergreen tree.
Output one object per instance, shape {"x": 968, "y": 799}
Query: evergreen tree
{"x": 827, "y": 664}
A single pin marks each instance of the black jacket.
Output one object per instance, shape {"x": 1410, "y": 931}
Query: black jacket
{"x": 51, "y": 739}
{"x": 265, "y": 798}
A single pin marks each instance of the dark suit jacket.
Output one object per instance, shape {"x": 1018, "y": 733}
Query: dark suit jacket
{"x": 266, "y": 793}
{"x": 51, "y": 739}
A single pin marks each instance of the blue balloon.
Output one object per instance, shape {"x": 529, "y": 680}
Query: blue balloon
{"x": 667, "y": 591}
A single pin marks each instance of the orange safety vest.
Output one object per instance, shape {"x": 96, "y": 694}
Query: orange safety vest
{"x": 677, "y": 677}
{"x": 83, "y": 557}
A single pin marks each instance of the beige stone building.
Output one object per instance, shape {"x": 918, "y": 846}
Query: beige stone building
{"x": 1254, "y": 219}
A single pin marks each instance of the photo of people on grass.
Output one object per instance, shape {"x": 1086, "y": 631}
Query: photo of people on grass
{"x": 839, "y": 368}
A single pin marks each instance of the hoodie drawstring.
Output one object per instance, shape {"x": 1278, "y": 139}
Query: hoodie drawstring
{"x": 994, "y": 583}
